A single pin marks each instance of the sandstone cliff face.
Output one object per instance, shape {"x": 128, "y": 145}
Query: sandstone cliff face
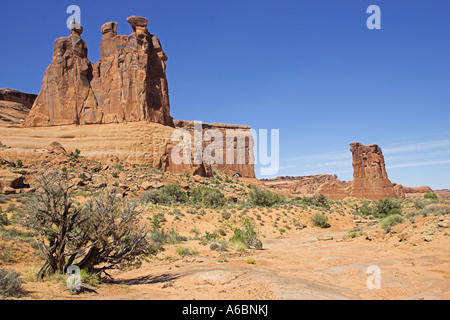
{"x": 26, "y": 99}
{"x": 236, "y": 158}
{"x": 370, "y": 180}
{"x": 135, "y": 143}
{"x": 128, "y": 83}
{"x": 130, "y": 79}
{"x": 326, "y": 184}
{"x": 66, "y": 96}
{"x": 14, "y": 106}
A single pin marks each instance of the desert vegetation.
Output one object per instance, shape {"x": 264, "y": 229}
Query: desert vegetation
{"x": 69, "y": 220}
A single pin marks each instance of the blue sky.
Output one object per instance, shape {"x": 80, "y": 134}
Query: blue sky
{"x": 311, "y": 69}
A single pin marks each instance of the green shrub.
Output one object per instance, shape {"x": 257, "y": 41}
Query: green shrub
{"x": 19, "y": 164}
{"x": 386, "y": 207}
{"x": 209, "y": 237}
{"x": 89, "y": 278}
{"x": 246, "y": 236}
{"x": 208, "y": 197}
{"x": 3, "y": 219}
{"x": 353, "y": 233}
{"x": 169, "y": 194}
{"x": 250, "y": 261}
{"x": 10, "y": 284}
{"x": 74, "y": 155}
{"x": 388, "y": 222}
{"x": 263, "y": 198}
{"x": 434, "y": 209}
{"x": 225, "y": 215}
{"x": 316, "y": 200}
{"x": 183, "y": 251}
{"x": 430, "y": 195}
{"x": 320, "y": 220}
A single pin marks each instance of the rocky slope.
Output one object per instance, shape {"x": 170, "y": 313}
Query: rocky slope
{"x": 14, "y": 106}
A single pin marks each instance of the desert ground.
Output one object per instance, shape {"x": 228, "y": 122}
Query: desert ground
{"x": 298, "y": 260}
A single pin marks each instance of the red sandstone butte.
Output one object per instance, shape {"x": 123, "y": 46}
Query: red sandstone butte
{"x": 370, "y": 180}
{"x": 128, "y": 84}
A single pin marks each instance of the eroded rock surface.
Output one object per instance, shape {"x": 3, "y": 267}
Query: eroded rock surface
{"x": 128, "y": 83}
{"x": 370, "y": 180}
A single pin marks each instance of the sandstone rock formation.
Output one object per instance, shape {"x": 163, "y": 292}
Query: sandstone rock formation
{"x": 14, "y": 106}
{"x": 127, "y": 84}
{"x": 370, "y": 180}
{"x": 27, "y": 99}
{"x": 423, "y": 189}
{"x": 130, "y": 79}
{"x": 135, "y": 143}
{"x": 10, "y": 181}
{"x": 66, "y": 96}
{"x": 237, "y": 160}
{"x": 326, "y": 184}
{"x": 369, "y": 173}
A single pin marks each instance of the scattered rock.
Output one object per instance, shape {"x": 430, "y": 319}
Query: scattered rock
{"x": 443, "y": 224}
{"x": 198, "y": 179}
{"x": 324, "y": 238}
{"x": 402, "y": 236}
{"x": 56, "y": 147}
{"x": 78, "y": 182}
{"x": 10, "y": 180}
{"x": 8, "y": 190}
{"x": 146, "y": 185}
{"x": 166, "y": 285}
{"x": 427, "y": 238}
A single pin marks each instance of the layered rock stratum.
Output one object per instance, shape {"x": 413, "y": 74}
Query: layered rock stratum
{"x": 14, "y": 106}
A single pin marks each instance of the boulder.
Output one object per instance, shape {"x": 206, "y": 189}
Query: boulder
{"x": 56, "y": 147}
{"x": 10, "y": 180}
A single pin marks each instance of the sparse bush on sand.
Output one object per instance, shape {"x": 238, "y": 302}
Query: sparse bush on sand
{"x": 10, "y": 283}
{"x": 105, "y": 233}
{"x": 430, "y": 195}
{"x": 246, "y": 236}
{"x": 388, "y": 222}
{"x": 319, "y": 220}
{"x": 169, "y": 194}
{"x": 319, "y": 200}
{"x": 263, "y": 198}
{"x": 208, "y": 197}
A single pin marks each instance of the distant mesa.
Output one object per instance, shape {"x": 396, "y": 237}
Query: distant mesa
{"x": 14, "y": 106}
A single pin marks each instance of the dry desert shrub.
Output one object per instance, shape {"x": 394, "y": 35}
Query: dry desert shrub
{"x": 105, "y": 233}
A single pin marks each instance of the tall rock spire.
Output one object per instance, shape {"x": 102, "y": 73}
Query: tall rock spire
{"x": 127, "y": 84}
{"x": 370, "y": 180}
